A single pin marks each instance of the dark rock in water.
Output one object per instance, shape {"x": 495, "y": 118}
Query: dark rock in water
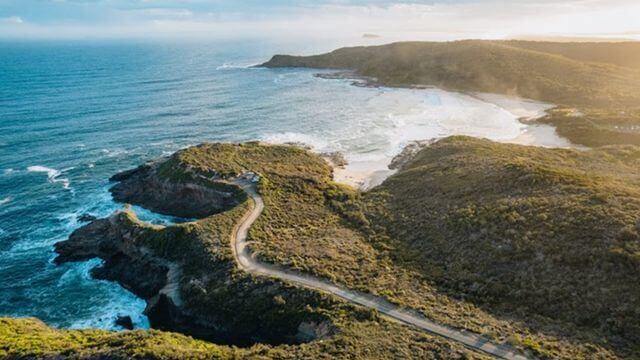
{"x": 124, "y": 322}
{"x": 87, "y": 218}
{"x": 142, "y": 275}
{"x": 87, "y": 242}
{"x": 113, "y": 240}
{"x": 145, "y": 187}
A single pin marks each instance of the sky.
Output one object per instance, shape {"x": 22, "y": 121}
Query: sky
{"x": 394, "y": 20}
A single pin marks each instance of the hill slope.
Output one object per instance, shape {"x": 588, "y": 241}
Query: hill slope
{"x": 484, "y": 66}
{"x": 596, "y": 127}
{"x": 523, "y": 230}
{"x": 625, "y": 54}
{"x": 534, "y": 247}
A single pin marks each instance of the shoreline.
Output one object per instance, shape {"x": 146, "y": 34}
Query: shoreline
{"x": 364, "y": 175}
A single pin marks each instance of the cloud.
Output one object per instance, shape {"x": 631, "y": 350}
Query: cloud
{"x": 11, "y": 20}
{"x": 394, "y": 20}
{"x": 155, "y": 14}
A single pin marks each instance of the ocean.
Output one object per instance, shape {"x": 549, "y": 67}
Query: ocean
{"x": 74, "y": 113}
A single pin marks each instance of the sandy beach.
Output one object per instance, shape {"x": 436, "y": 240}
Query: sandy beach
{"x": 517, "y": 114}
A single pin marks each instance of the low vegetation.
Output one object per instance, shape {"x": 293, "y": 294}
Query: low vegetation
{"x": 625, "y": 53}
{"x": 596, "y": 127}
{"x": 486, "y": 66}
{"x": 316, "y": 226}
{"x": 369, "y": 338}
{"x": 30, "y": 339}
{"x": 535, "y": 247}
{"x": 527, "y": 232}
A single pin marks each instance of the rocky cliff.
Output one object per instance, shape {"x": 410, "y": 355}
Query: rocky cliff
{"x": 185, "y": 272}
{"x": 186, "y": 199}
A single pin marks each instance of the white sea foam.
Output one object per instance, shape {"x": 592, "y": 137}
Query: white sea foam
{"x": 316, "y": 143}
{"x": 522, "y": 108}
{"x": 53, "y": 175}
{"x": 232, "y": 66}
{"x": 99, "y": 204}
{"x": 104, "y": 317}
{"x": 27, "y": 245}
{"x": 392, "y": 118}
{"x": 6, "y": 200}
{"x": 115, "y": 152}
{"x": 109, "y": 305}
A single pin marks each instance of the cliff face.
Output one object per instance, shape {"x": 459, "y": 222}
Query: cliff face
{"x": 186, "y": 272}
{"x": 114, "y": 241}
{"x": 117, "y": 240}
{"x": 142, "y": 186}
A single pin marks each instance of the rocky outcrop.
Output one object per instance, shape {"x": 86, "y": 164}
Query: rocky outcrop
{"x": 309, "y": 331}
{"x": 114, "y": 241}
{"x": 408, "y": 153}
{"x": 117, "y": 241}
{"x": 124, "y": 322}
{"x": 215, "y": 307}
{"x": 86, "y": 218}
{"x": 144, "y": 186}
{"x": 189, "y": 285}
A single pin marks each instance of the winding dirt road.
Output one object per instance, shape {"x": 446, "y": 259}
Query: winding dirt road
{"x": 248, "y": 262}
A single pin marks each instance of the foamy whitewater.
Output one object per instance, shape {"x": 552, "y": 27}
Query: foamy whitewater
{"x": 392, "y": 118}
{"x": 73, "y": 114}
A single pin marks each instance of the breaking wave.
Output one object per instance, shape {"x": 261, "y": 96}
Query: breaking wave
{"x": 316, "y": 143}
{"x": 53, "y": 175}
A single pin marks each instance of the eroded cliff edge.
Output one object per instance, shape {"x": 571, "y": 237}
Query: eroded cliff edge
{"x": 185, "y": 272}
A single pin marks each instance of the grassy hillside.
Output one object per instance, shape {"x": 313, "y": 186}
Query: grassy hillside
{"x": 523, "y": 231}
{"x": 472, "y": 234}
{"x": 625, "y": 54}
{"x": 367, "y": 339}
{"x": 31, "y": 339}
{"x": 596, "y": 127}
{"x": 316, "y": 226}
{"x": 485, "y": 66}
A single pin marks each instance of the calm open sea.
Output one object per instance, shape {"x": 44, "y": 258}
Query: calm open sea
{"x": 73, "y": 114}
